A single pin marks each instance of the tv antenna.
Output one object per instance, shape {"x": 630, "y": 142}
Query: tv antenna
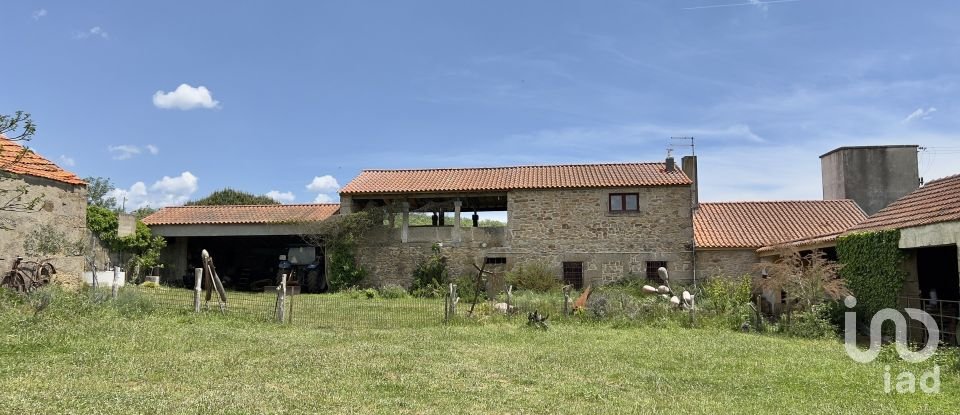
{"x": 693, "y": 146}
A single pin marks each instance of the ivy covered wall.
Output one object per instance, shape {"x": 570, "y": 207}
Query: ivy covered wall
{"x": 873, "y": 268}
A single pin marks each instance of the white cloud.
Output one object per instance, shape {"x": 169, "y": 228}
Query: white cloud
{"x": 323, "y": 198}
{"x": 124, "y": 152}
{"x": 67, "y": 161}
{"x": 38, "y": 14}
{"x": 167, "y": 191}
{"x": 282, "y": 197}
{"x": 920, "y": 114}
{"x": 185, "y": 97}
{"x": 326, "y": 183}
{"x": 95, "y": 31}
{"x": 128, "y": 151}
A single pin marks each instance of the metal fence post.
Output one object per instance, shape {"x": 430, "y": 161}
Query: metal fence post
{"x": 281, "y": 309}
{"x": 197, "y": 280}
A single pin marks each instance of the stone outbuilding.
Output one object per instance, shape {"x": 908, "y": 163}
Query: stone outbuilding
{"x": 929, "y": 222}
{"x": 60, "y": 206}
{"x": 732, "y": 237}
{"x": 246, "y": 241}
{"x": 589, "y": 223}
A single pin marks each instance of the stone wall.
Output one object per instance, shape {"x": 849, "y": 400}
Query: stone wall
{"x": 726, "y": 262}
{"x": 62, "y": 205}
{"x": 575, "y": 225}
{"x": 556, "y": 226}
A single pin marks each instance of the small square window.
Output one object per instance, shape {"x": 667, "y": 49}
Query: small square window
{"x": 624, "y": 202}
{"x": 495, "y": 260}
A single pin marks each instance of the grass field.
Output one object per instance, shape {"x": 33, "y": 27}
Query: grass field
{"x": 79, "y": 358}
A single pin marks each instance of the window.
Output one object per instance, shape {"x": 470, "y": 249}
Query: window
{"x": 624, "y": 202}
{"x": 573, "y": 274}
{"x": 495, "y": 260}
{"x": 653, "y": 268}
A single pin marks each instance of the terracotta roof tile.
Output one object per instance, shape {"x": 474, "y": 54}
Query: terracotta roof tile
{"x": 935, "y": 202}
{"x": 241, "y": 214}
{"x": 758, "y": 224}
{"x": 15, "y": 159}
{"x": 511, "y": 178}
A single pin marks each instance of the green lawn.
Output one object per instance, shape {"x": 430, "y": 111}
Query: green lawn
{"x": 94, "y": 360}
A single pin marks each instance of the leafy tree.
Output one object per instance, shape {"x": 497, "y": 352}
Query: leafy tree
{"x": 17, "y": 127}
{"x": 144, "y": 246}
{"x": 98, "y": 192}
{"x": 143, "y": 212}
{"x": 232, "y": 197}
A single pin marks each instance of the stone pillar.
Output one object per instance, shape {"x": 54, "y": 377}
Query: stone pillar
{"x": 405, "y": 226}
{"x": 346, "y": 205}
{"x": 456, "y": 221}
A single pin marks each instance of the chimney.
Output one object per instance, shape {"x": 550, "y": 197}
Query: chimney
{"x": 689, "y": 166}
{"x": 671, "y": 165}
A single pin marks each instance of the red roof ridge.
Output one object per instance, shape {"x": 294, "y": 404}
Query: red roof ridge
{"x": 229, "y": 206}
{"x": 746, "y": 202}
{"x": 942, "y": 179}
{"x": 520, "y": 166}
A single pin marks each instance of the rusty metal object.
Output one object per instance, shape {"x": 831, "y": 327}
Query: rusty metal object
{"x": 26, "y": 276}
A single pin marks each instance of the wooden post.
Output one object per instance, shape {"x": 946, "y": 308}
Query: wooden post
{"x": 197, "y": 280}
{"x": 509, "y": 298}
{"x": 116, "y": 282}
{"x": 453, "y": 300}
{"x": 282, "y": 298}
{"x": 566, "y": 300}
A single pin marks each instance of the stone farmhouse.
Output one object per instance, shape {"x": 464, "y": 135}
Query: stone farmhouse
{"x": 590, "y": 223}
{"x": 593, "y": 223}
{"x": 61, "y": 204}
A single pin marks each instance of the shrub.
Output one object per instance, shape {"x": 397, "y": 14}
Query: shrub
{"x": 535, "y": 276}
{"x": 150, "y": 284}
{"x": 807, "y": 280}
{"x": 431, "y": 274}
{"x": 393, "y": 291}
{"x": 467, "y": 288}
{"x": 811, "y": 324}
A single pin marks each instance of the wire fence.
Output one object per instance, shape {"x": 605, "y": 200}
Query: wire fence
{"x": 945, "y": 313}
{"x": 313, "y": 310}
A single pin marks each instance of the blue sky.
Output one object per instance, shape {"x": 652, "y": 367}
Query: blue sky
{"x": 297, "y": 91}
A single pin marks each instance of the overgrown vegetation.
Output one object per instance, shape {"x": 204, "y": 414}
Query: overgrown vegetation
{"x": 872, "y": 267}
{"x": 339, "y": 235}
{"x": 144, "y": 247}
{"x": 431, "y": 275}
{"x": 807, "y": 279}
{"x": 534, "y": 276}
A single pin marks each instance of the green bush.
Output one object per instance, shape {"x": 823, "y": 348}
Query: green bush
{"x": 393, "y": 291}
{"x": 811, "y": 324}
{"x": 467, "y": 288}
{"x": 431, "y": 275}
{"x": 344, "y": 270}
{"x": 534, "y": 276}
{"x": 149, "y": 284}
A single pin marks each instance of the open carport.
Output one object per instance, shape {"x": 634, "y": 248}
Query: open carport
{"x": 245, "y": 241}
